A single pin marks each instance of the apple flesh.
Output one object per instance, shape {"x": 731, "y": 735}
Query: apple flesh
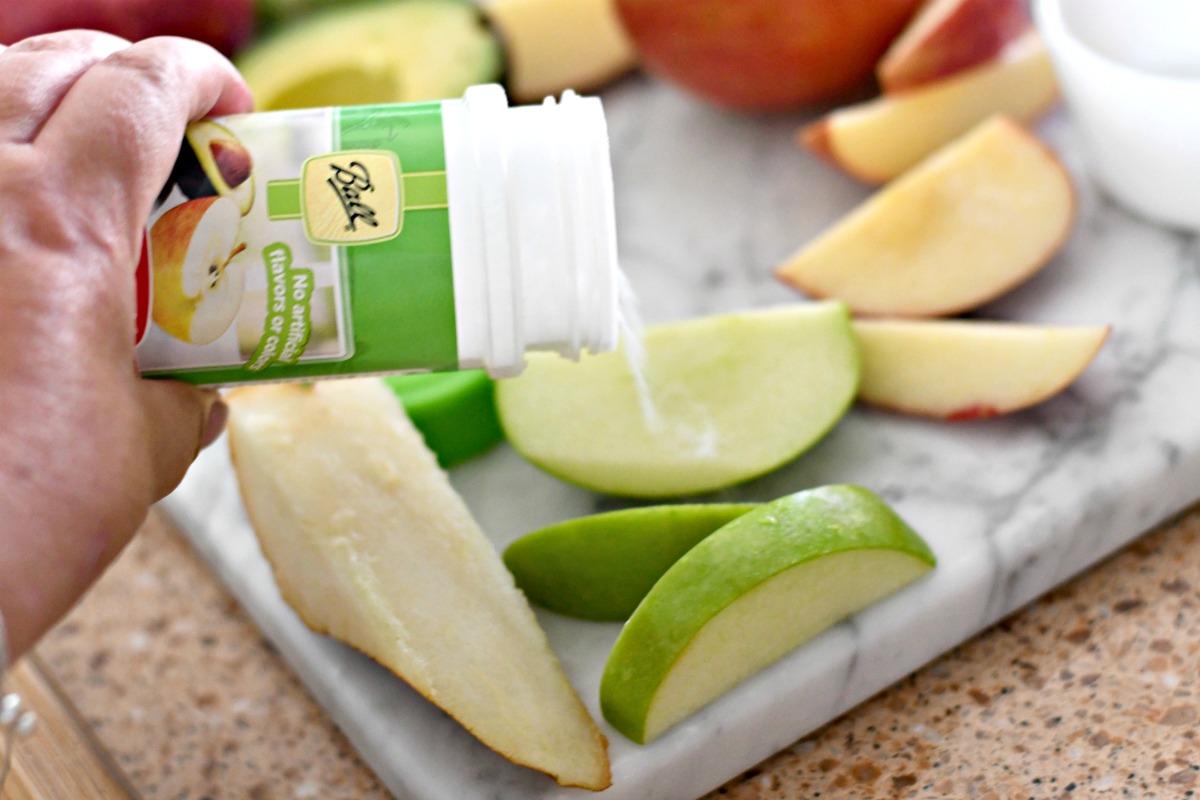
{"x": 552, "y": 45}
{"x": 227, "y": 25}
{"x": 600, "y": 567}
{"x": 198, "y": 284}
{"x": 948, "y": 36}
{"x": 369, "y": 543}
{"x": 880, "y": 139}
{"x": 721, "y": 400}
{"x": 750, "y": 593}
{"x": 970, "y": 223}
{"x": 969, "y": 369}
{"x": 765, "y": 55}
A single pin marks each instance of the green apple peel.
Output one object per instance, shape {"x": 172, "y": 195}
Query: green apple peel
{"x": 295, "y": 245}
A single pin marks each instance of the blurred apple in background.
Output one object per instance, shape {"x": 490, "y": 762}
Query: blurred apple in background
{"x": 224, "y": 24}
{"x": 765, "y": 55}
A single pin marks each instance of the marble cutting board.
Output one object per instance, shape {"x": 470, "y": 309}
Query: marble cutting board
{"x": 708, "y": 203}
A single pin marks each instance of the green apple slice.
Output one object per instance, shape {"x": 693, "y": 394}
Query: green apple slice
{"x": 601, "y": 566}
{"x": 722, "y": 399}
{"x": 454, "y": 411}
{"x": 369, "y": 543}
{"x": 748, "y": 594}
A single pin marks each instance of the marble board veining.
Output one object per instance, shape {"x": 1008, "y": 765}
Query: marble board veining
{"x": 708, "y": 202}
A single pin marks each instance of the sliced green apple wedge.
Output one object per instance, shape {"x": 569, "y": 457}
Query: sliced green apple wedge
{"x": 967, "y": 369}
{"x": 750, "y": 593}
{"x": 600, "y": 567}
{"x": 369, "y": 543}
{"x": 721, "y": 400}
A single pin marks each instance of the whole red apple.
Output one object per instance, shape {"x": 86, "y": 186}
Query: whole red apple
{"x": 765, "y": 55}
{"x": 224, "y": 24}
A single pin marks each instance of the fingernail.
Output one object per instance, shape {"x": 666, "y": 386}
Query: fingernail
{"x": 218, "y": 412}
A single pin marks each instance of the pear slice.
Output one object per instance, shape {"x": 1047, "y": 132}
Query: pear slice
{"x": 967, "y": 369}
{"x": 370, "y": 544}
{"x": 600, "y": 567}
{"x": 750, "y": 593}
{"x": 553, "y": 45}
{"x": 882, "y": 138}
{"x": 720, "y": 400}
{"x": 970, "y": 223}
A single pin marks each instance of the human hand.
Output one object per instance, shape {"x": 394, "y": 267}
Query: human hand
{"x": 90, "y": 126}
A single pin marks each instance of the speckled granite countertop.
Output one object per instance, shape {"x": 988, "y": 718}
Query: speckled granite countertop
{"x": 1087, "y": 692}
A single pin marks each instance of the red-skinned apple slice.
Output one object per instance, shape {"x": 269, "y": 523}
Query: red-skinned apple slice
{"x": 970, "y": 223}
{"x": 198, "y": 285}
{"x": 948, "y": 36}
{"x": 970, "y": 369}
{"x": 880, "y": 139}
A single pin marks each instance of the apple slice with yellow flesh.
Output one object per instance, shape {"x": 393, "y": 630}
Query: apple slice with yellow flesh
{"x": 599, "y": 567}
{"x": 968, "y": 369}
{"x": 551, "y": 45}
{"x": 948, "y": 36}
{"x": 720, "y": 400}
{"x": 747, "y": 595}
{"x": 971, "y": 222}
{"x": 881, "y": 138}
{"x": 369, "y": 543}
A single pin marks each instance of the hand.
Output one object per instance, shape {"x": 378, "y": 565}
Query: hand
{"x": 89, "y": 128}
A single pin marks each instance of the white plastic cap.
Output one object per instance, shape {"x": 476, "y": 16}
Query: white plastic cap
{"x": 533, "y": 228}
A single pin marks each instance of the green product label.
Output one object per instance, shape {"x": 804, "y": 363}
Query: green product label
{"x": 288, "y": 323}
{"x": 299, "y": 244}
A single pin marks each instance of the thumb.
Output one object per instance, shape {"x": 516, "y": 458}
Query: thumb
{"x": 180, "y": 420}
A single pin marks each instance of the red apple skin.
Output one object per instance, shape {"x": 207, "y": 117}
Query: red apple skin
{"x": 972, "y": 413}
{"x": 224, "y": 24}
{"x": 970, "y": 33}
{"x": 765, "y": 55}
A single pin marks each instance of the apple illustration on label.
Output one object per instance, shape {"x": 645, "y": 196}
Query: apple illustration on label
{"x": 198, "y": 285}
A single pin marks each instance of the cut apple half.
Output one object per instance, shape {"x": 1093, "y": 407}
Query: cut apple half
{"x": 719, "y": 400}
{"x": 198, "y": 283}
{"x": 878, "y": 140}
{"x": 369, "y": 543}
{"x": 970, "y": 223}
{"x": 969, "y": 369}
{"x": 948, "y": 36}
{"x": 748, "y": 594}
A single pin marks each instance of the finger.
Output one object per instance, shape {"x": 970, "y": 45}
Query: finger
{"x": 119, "y": 127}
{"x": 36, "y": 73}
{"x": 176, "y": 419}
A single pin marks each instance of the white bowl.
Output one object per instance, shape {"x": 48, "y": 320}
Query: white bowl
{"x": 1130, "y": 76}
